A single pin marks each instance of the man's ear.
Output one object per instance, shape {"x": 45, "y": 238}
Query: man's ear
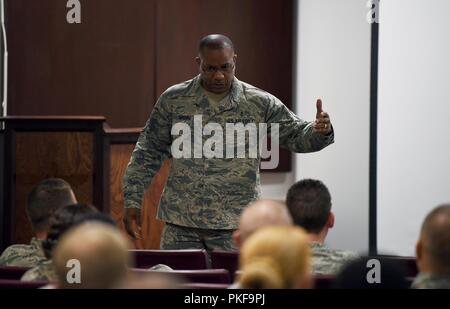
{"x": 235, "y": 59}
{"x": 419, "y": 253}
{"x": 198, "y": 60}
{"x": 330, "y": 221}
{"x": 237, "y": 238}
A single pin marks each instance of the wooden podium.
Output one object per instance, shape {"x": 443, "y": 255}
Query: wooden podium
{"x": 39, "y": 147}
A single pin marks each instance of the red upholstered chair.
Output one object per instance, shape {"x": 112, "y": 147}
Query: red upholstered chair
{"x": 219, "y": 276}
{"x": 12, "y": 272}
{"x": 176, "y": 259}
{"x": 225, "y": 259}
{"x": 17, "y": 284}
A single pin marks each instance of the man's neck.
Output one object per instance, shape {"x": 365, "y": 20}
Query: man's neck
{"x": 318, "y": 237}
{"x": 427, "y": 266}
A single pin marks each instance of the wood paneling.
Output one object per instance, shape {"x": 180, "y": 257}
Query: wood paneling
{"x": 151, "y": 228}
{"x": 41, "y": 155}
{"x": 262, "y": 31}
{"x": 124, "y": 54}
{"x": 103, "y": 66}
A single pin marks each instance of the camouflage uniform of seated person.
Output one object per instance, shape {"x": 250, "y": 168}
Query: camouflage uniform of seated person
{"x": 204, "y": 196}
{"x": 46, "y": 197}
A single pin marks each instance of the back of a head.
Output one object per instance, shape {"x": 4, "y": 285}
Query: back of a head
{"x": 45, "y": 198}
{"x": 263, "y": 213}
{"x": 276, "y": 257}
{"x": 372, "y": 273}
{"x": 309, "y": 203}
{"x": 63, "y": 219}
{"x": 99, "y": 217}
{"x": 102, "y": 253}
{"x": 435, "y": 237}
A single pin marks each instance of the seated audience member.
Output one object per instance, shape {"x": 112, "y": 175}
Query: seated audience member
{"x": 260, "y": 214}
{"x": 63, "y": 219}
{"x": 276, "y": 257}
{"x": 433, "y": 251}
{"x": 363, "y": 274}
{"x": 102, "y": 252}
{"x": 46, "y": 197}
{"x": 309, "y": 203}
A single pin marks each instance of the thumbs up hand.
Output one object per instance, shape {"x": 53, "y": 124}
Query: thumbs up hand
{"x": 322, "y": 124}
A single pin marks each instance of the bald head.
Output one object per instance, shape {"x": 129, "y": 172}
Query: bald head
{"x": 435, "y": 240}
{"x": 102, "y": 252}
{"x": 215, "y": 41}
{"x": 260, "y": 214}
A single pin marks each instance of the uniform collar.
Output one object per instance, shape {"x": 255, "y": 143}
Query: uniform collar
{"x": 236, "y": 91}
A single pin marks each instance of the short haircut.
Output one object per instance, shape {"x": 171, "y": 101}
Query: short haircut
{"x": 215, "y": 41}
{"x": 436, "y": 237}
{"x": 65, "y": 218}
{"x": 102, "y": 252}
{"x": 47, "y": 196}
{"x": 263, "y": 213}
{"x": 309, "y": 203}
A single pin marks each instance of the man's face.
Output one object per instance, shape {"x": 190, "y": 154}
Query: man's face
{"x": 217, "y": 67}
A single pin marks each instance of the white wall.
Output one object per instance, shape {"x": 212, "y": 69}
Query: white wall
{"x": 275, "y": 185}
{"x": 334, "y": 64}
{"x": 413, "y": 112}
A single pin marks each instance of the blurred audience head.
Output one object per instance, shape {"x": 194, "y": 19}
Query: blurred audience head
{"x": 102, "y": 253}
{"x": 309, "y": 203}
{"x": 276, "y": 257}
{"x": 433, "y": 246}
{"x": 260, "y": 214}
{"x": 44, "y": 199}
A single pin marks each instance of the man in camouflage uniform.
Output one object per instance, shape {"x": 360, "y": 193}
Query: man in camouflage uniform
{"x": 43, "y": 200}
{"x": 309, "y": 203}
{"x": 433, "y": 251}
{"x": 204, "y": 197}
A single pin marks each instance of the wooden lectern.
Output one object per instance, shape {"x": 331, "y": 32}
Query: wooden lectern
{"x": 33, "y": 148}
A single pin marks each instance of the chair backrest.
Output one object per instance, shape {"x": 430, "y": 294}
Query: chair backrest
{"x": 17, "y": 284}
{"x": 176, "y": 259}
{"x": 12, "y": 272}
{"x": 219, "y": 276}
{"x": 408, "y": 263}
{"x": 225, "y": 259}
{"x": 323, "y": 282}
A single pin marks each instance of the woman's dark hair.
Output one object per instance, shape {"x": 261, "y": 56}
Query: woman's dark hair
{"x": 63, "y": 219}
